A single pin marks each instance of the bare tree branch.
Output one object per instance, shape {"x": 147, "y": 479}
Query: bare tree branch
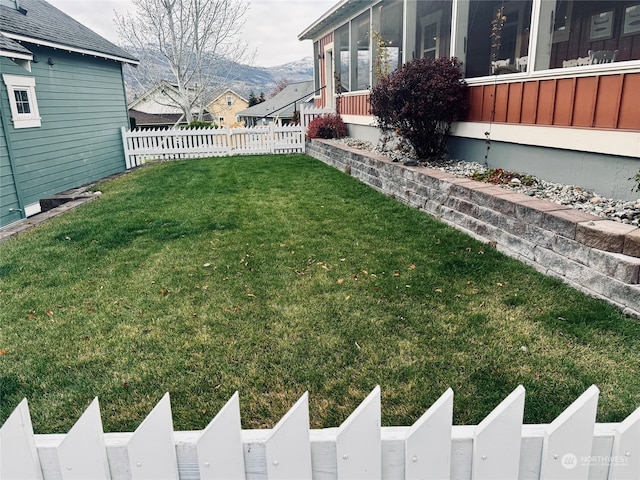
{"x": 190, "y": 38}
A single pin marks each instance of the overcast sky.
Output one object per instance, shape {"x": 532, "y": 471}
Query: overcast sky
{"x": 272, "y": 26}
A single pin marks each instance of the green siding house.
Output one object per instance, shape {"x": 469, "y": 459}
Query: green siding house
{"x": 62, "y": 103}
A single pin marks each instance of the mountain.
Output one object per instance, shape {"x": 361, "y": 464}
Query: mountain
{"x": 225, "y": 74}
{"x": 245, "y": 78}
{"x": 298, "y": 71}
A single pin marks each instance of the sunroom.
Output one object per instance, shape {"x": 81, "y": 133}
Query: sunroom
{"x": 543, "y": 74}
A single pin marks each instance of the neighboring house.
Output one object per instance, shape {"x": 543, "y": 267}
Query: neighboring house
{"x": 554, "y": 84}
{"x": 281, "y": 108}
{"x": 62, "y": 104}
{"x": 225, "y": 107}
{"x": 158, "y": 108}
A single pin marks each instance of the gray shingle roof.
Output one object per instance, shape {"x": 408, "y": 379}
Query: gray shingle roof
{"x": 294, "y": 92}
{"x": 8, "y": 45}
{"x": 43, "y": 22}
{"x": 146, "y": 119}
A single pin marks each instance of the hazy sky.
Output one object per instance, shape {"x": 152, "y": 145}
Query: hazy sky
{"x": 272, "y": 26}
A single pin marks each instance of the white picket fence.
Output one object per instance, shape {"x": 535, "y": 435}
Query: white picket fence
{"x": 572, "y": 447}
{"x": 309, "y": 113}
{"x": 157, "y": 144}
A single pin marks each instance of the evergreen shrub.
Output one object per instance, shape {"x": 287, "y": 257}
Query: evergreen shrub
{"x": 200, "y": 124}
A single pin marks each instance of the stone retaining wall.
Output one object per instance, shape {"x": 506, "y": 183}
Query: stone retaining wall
{"x": 596, "y": 256}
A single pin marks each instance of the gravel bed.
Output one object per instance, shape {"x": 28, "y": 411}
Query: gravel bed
{"x": 571, "y": 195}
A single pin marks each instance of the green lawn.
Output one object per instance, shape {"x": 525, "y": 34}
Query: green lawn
{"x": 273, "y": 275}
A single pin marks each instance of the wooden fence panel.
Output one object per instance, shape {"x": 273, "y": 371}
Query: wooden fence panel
{"x": 358, "y": 441}
{"x": 82, "y": 453}
{"x": 496, "y": 443}
{"x": 572, "y": 447}
{"x": 151, "y": 449}
{"x": 18, "y": 455}
{"x": 288, "y": 448}
{"x": 219, "y": 448}
{"x": 428, "y": 442}
{"x": 569, "y": 439}
{"x": 288, "y": 139}
{"x": 147, "y": 145}
{"x": 625, "y": 465}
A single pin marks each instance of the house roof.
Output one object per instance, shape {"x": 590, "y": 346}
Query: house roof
{"x": 161, "y": 86}
{"x": 9, "y": 48}
{"x": 344, "y": 8}
{"x": 161, "y": 119}
{"x": 283, "y": 104}
{"x": 38, "y": 22}
{"x": 226, "y": 91}
{"x": 143, "y": 118}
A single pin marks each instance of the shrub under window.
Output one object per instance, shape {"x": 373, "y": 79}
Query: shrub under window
{"x": 420, "y": 101}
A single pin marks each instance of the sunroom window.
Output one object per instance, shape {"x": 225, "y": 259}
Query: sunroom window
{"x": 587, "y": 32}
{"x": 360, "y": 50}
{"x": 341, "y": 45}
{"x": 387, "y": 36}
{"x": 316, "y": 66}
{"x": 497, "y": 40}
{"x": 433, "y": 29}
{"x": 22, "y": 101}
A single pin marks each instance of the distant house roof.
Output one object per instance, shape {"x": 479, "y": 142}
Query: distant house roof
{"x": 161, "y": 87}
{"x": 283, "y": 104}
{"x": 226, "y": 91}
{"x": 40, "y": 23}
{"x": 143, "y": 119}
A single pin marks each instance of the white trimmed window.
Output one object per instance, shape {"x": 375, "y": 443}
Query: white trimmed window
{"x": 22, "y": 99}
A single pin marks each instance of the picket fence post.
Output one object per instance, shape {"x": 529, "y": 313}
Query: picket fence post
{"x": 358, "y": 441}
{"x": 625, "y": 453}
{"x": 288, "y": 448}
{"x": 270, "y": 143}
{"x": 82, "y": 453}
{"x": 219, "y": 447}
{"x": 496, "y": 442}
{"x": 428, "y": 442}
{"x": 125, "y": 149}
{"x": 569, "y": 438}
{"x": 18, "y": 455}
{"x": 229, "y": 139}
{"x": 151, "y": 449}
